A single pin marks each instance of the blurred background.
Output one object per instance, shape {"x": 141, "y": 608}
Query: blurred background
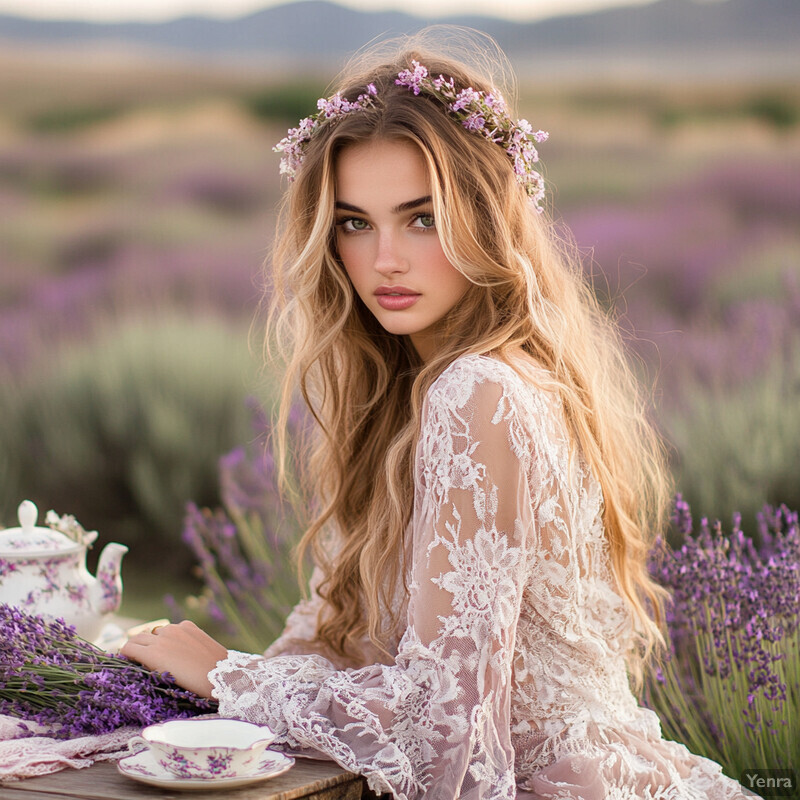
{"x": 137, "y": 200}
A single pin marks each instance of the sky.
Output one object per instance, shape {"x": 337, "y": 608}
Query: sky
{"x": 156, "y": 10}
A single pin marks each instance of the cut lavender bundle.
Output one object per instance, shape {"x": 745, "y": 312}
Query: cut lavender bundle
{"x": 50, "y": 676}
{"x": 729, "y": 687}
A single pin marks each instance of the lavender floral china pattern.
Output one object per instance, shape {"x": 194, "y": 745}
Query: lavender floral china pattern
{"x": 218, "y": 765}
{"x": 205, "y": 749}
{"x": 43, "y": 571}
{"x": 143, "y": 767}
{"x": 48, "y": 571}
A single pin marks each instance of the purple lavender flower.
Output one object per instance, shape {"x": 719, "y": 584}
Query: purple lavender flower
{"x": 466, "y": 98}
{"x": 487, "y": 115}
{"x": 732, "y": 666}
{"x": 474, "y": 122}
{"x": 241, "y": 548}
{"x": 412, "y": 79}
{"x": 51, "y": 676}
{"x": 484, "y": 113}
{"x": 328, "y": 108}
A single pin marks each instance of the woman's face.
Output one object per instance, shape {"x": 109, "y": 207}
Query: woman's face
{"x": 387, "y": 240}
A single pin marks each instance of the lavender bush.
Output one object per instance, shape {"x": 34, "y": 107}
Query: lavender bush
{"x": 244, "y": 549}
{"x": 50, "y": 676}
{"x": 729, "y": 687}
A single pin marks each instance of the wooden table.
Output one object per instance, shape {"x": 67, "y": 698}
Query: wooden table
{"x": 321, "y": 780}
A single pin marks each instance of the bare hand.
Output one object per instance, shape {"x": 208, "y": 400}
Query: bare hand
{"x": 184, "y": 650}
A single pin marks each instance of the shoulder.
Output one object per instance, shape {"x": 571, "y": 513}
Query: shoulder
{"x": 486, "y": 381}
{"x": 480, "y": 396}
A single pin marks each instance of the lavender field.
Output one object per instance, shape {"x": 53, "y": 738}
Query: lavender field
{"x": 137, "y": 208}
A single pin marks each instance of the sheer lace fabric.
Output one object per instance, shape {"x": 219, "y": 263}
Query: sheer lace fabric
{"x": 27, "y": 749}
{"x": 510, "y": 673}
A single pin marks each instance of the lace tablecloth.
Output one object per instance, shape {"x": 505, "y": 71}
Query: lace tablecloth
{"x": 26, "y": 750}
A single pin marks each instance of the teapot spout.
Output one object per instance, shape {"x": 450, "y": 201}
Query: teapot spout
{"x": 107, "y": 590}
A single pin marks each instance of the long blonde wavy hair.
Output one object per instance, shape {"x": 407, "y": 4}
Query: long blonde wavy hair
{"x": 365, "y": 387}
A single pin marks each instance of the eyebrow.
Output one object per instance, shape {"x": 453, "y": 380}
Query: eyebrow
{"x": 407, "y": 206}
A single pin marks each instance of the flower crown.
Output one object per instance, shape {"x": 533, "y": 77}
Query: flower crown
{"x": 481, "y": 112}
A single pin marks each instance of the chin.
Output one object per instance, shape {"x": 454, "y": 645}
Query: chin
{"x": 401, "y": 330}
{"x": 399, "y": 327}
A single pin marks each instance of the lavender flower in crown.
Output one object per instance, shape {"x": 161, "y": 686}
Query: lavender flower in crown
{"x": 486, "y": 114}
{"x": 330, "y": 108}
{"x": 50, "y": 676}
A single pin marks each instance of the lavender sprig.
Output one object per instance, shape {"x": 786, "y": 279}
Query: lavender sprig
{"x": 486, "y": 114}
{"x": 51, "y": 676}
{"x": 330, "y": 108}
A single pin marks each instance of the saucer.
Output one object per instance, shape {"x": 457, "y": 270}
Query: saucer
{"x": 143, "y": 767}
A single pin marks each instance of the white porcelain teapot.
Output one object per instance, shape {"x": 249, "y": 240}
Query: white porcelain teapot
{"x": 43, "y": 571}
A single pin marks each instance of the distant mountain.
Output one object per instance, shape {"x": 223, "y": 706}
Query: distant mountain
{"x": 317, "y": 29}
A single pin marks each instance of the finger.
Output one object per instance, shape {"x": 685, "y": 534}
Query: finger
{"x": 146, "y": 627}
{"x": 139, "y": 638}
{"x": 149, "y": 657}
{"x": 131, "y": 648}
{"x": 166, "y": 632}
{"x": 192, "y": 630}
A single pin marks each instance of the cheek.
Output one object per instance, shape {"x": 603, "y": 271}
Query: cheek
{"x": 432, "y": 254}
{"x": 445, "y": 274}
{"x": 352, "y": 253}
{"x": 348, "y": 256}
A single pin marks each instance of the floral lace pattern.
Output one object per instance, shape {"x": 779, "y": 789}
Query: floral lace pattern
{"x": 510, "y": 674}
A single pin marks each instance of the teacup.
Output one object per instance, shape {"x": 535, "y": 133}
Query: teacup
{"x": 204, "y": 749}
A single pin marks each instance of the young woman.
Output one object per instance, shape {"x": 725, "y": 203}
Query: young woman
{"x": 485, "y": 478}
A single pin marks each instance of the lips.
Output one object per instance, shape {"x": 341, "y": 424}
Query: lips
{"x": 396, "y": 298}
{"x": 382, "y": 291}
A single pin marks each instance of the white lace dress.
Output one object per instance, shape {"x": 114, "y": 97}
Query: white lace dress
{"x": 509, "y": 677}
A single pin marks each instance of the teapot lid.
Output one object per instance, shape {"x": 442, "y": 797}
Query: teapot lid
{"x": 28, "y": 540}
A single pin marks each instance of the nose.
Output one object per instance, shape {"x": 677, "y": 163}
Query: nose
{"x": 390, "y": 258}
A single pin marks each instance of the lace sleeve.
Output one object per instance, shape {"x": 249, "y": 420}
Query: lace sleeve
{"x": 437, "y": 720}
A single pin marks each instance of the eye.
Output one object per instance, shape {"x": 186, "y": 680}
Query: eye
{"x": 425, "y": 221}
{"x": 353, "y": 224}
